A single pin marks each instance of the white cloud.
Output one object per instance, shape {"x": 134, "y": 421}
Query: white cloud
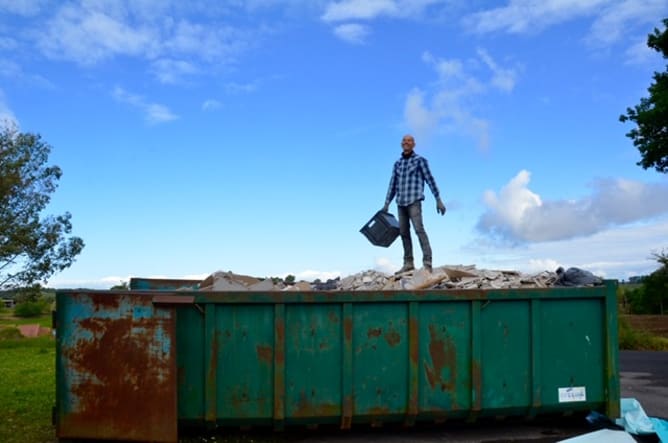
{"x": 385, "y": 265}
{"x": 525, "y": 16}
{"x": 517, "y": 214}
{"x": 368, "y": 10}
{"x": 11, "y": 69}
{"x": 170, "y": 71}
{"x": 359, "y": 9}
{"x": 210, "y": 43}
{"x": 112, "y": 280}
{"x": 310, "y": 275}
{"x": 639, "y": 53}
{"x": 613, "y": 21}
{"x": 418, "y": 117}
{"x": 89, "y": 36}
{"x": 193, "y": 277}
{"x": 445, "y": 68}
{"x": 449, "y": 106}
{"x": 90, "y": 32}
{"x": 157, "y": 113}
{"x": 154, "y": 112}
{"x": 504, "y": 78}
{"x": 22, "y": 7}
{"x": 7, "y": 117}
{"x": 346, "y": 10}
{"x": 211, "y": 105}
{"x": 352, "y": 32}
{"x": 8, "y": 44}
{"x": 617, "y": 252}
{"x": 100, "y": 283}
{"x": 535, "y": 265}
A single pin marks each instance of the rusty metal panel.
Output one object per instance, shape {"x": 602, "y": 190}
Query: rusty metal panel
{"x": 115, "y": 367}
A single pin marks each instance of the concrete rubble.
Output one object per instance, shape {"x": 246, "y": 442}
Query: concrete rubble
{"x": 441, "y": 278}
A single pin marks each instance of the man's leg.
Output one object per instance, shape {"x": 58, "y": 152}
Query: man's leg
{"x": 405, "y": 232}
{"x": 415, "y": 214}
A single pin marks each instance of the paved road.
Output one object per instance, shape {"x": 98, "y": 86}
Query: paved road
{"x": 643, "y": 375}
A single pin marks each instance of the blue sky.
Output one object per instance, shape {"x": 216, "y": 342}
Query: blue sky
{"x": 258, "y": 136}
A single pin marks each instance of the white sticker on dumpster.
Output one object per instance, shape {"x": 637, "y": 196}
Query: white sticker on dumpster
{"x": 574, "y": 393}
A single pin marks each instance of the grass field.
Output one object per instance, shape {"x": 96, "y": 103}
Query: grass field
{"x": 27, "y": 390}
{"x": 8, "y": 320}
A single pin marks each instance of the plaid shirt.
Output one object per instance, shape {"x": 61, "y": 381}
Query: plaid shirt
{"x": 407, "y": 182}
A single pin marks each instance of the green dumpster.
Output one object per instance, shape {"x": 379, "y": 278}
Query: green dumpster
{"x": 281, "y": 359}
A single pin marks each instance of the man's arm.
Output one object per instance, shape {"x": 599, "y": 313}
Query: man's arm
{"x": 391, "y": 190}
{"x": 426, "y": 173}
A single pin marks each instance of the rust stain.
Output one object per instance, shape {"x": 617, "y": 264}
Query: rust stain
{"x": 245, "y": 404}
{"x": 265, "y": 353}
{"x": 374, "y": 332}
{"x": 414, "y": 338}
{"x": 105, "y": 302}
{"x": 213, "y": 363}
{"x": 239, "y": 397}
{"x": 307, "y": 407}
{"x": 280, "y": 337}
{"x": 392, "y": 337}
{"x": 443, "y": 355}
{"x": 333, "y": 317}
{"x": 348, "y": 328}
{"x": 123, "y": 383}
{"x": 476, "y": 382}
{"x": 324, "y": 346}
{"x": 378, "y": 411}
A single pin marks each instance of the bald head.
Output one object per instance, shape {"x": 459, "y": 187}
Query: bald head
{"x": 407, "y": 144}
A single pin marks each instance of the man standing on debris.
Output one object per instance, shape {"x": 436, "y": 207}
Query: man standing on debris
{"x": 407, "y": 184}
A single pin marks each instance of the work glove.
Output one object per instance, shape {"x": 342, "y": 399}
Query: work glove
{"x": 440, "y": 207}
{"x": 386, "y": 208}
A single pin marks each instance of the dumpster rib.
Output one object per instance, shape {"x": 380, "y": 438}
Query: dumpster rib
{"x": 611, "y": 351}
{"x": 413, "y": 354}
{"x": 211, "y": 359}
{"x": 347, "y": 374}
{"x": 476, "y": 356}
{"x": 279, "y": 366}
{"x": 535, "y": 358}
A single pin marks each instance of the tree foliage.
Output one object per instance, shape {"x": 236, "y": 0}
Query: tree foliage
{"x": 32, "y": 247}
{"x": 652, "y": 295}
{"x": 650, "y": 135}
{"x": 123, "y": 286}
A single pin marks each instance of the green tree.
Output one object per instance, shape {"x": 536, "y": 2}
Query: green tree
{"x": 123, "y": 286}
{"x": 32, "y": 246}
{"x": 656, "y": 286}
{"x": 651, "y": 115}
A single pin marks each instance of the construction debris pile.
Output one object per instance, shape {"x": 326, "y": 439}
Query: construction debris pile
{"x": 444, "y": 277}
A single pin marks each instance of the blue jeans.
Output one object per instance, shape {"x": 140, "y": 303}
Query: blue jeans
{"x": 413, "y": 213}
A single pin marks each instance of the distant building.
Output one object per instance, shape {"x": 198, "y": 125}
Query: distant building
{"x": 8, "y": 302}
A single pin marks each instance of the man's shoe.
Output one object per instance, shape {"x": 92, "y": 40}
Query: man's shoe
{"x": 405, "y": 268}
{"x": 427, "y": 268}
